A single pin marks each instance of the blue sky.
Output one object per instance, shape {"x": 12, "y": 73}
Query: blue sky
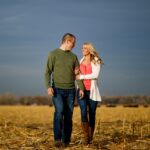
{"x": 119, "y": 29}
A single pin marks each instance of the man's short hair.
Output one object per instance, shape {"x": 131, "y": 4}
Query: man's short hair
{"x": 68, "y": 36}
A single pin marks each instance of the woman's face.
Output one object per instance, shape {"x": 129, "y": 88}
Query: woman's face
{"x": 85, "y": 50}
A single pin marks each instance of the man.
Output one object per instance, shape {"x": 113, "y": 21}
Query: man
{"x": 61, "y": 66}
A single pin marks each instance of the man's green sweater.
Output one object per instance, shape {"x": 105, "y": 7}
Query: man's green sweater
{"x": 60, "y": 66}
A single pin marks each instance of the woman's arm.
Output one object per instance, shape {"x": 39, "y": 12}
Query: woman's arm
{"x": 94, "y": 74}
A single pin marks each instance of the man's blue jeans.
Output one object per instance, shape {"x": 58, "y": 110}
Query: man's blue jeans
{"x": 63, "y": 101}
{"x": 88, "y": 108}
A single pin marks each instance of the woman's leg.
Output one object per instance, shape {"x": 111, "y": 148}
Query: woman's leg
{"x": 83, "y": 107}
{"x": 84, "y": 116}
{"x": 92, "y": 115}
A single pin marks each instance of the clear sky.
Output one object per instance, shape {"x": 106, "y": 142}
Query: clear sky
{"x": 119, "y": 29}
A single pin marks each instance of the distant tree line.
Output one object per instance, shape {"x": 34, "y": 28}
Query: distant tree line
{"x": 126, "y": 101}
{"x": 10, "y": 99}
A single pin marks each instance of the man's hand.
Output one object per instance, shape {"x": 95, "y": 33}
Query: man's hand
{"x": 50, "y": 91}
{"x": 81, "y": 94}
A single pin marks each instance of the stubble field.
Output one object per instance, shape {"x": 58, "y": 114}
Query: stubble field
{"x": 117, "y": 128}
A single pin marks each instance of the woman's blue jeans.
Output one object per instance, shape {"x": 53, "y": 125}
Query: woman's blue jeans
{"x": 88, "y": 108}
{"x": 63, "y": 101}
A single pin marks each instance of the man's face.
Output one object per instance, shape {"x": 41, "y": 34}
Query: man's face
{"x": 71, "y": 43}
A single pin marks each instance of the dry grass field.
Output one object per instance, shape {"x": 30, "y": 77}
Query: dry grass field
{"x": 117, "y": 128}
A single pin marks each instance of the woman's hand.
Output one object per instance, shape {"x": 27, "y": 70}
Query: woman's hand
{"x": 78, "y": 77}
{"x": 76, "y": 71}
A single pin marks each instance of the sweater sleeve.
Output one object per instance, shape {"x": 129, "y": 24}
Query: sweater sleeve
{"x": 94, "y": 74}
{"x": 79, "y": 82}
{"x": 48, "y": 70}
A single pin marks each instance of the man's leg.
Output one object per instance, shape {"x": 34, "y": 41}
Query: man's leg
{"x": 68, "y": 112}
{"x": 58, "y": 116}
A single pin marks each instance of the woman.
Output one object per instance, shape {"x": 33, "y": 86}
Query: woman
{"x": 89, "y": 73}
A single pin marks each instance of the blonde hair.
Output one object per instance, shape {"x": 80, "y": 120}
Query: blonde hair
{"x": 95, "y": 58}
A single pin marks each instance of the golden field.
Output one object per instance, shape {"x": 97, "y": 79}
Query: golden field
{"x": 117, "y": 128}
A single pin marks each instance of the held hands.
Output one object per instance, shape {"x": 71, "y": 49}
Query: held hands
{"x": 50, "y": 91}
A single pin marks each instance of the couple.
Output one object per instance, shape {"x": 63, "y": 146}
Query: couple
{"x": 62, "y": 69}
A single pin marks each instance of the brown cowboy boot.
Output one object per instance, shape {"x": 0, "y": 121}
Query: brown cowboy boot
{"x": 91, "y": 132}
{"x": 85, "y": 127}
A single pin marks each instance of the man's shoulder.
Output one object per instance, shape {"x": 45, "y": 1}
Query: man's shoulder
{"x": 53, "y": 52}
{"x": 73, "y": 54}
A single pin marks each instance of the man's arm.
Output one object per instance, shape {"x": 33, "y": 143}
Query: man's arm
{"x": 77, "y": 70}
{"x": 50, "y": 91}
{"x": 48, "y": 72}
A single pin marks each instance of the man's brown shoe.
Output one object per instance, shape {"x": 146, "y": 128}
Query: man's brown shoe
{"x": 58, "y": 143}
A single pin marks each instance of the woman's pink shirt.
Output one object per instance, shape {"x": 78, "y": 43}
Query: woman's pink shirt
{"x": 86, "y": 69}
